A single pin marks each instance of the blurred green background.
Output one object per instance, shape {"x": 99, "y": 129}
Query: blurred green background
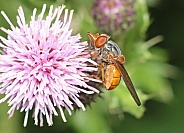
{"x": 166, "y": 19}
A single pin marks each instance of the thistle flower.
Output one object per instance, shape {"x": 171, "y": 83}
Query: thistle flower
{"x": 114, "y": 16}
{"x": 43, "y": 67}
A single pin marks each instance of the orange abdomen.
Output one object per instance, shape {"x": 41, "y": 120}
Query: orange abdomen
{"x": 112, "y": 77}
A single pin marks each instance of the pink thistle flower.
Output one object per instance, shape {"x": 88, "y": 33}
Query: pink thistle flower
{"x": 114, "y": 16}
{"x": 43, "y": 67}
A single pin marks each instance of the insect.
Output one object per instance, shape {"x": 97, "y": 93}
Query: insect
{"x": 111, "y": 61}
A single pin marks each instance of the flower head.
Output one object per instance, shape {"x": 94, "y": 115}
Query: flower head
{"x": 43, "y": 67}
{"x": 114, "y": 16}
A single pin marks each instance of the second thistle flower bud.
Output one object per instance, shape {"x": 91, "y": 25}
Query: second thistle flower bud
{"x": 114, "y": 15}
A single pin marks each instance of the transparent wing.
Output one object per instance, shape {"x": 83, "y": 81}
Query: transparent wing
{"x": 127, "y": 81}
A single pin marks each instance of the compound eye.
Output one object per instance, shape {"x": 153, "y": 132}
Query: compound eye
{"x": 100, "y": 41}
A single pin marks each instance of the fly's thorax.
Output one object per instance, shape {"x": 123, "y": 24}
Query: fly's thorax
{"x": 103, "y": 54}
{"x": 112, "y": 47}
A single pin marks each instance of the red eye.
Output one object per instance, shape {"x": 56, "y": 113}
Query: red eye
{"x": 100, "y": 41}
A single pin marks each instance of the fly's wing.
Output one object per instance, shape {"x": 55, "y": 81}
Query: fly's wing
{"x": 127, "y": 81}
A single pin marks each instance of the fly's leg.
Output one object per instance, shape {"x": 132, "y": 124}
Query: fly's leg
{"x": 101, "y": 69}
